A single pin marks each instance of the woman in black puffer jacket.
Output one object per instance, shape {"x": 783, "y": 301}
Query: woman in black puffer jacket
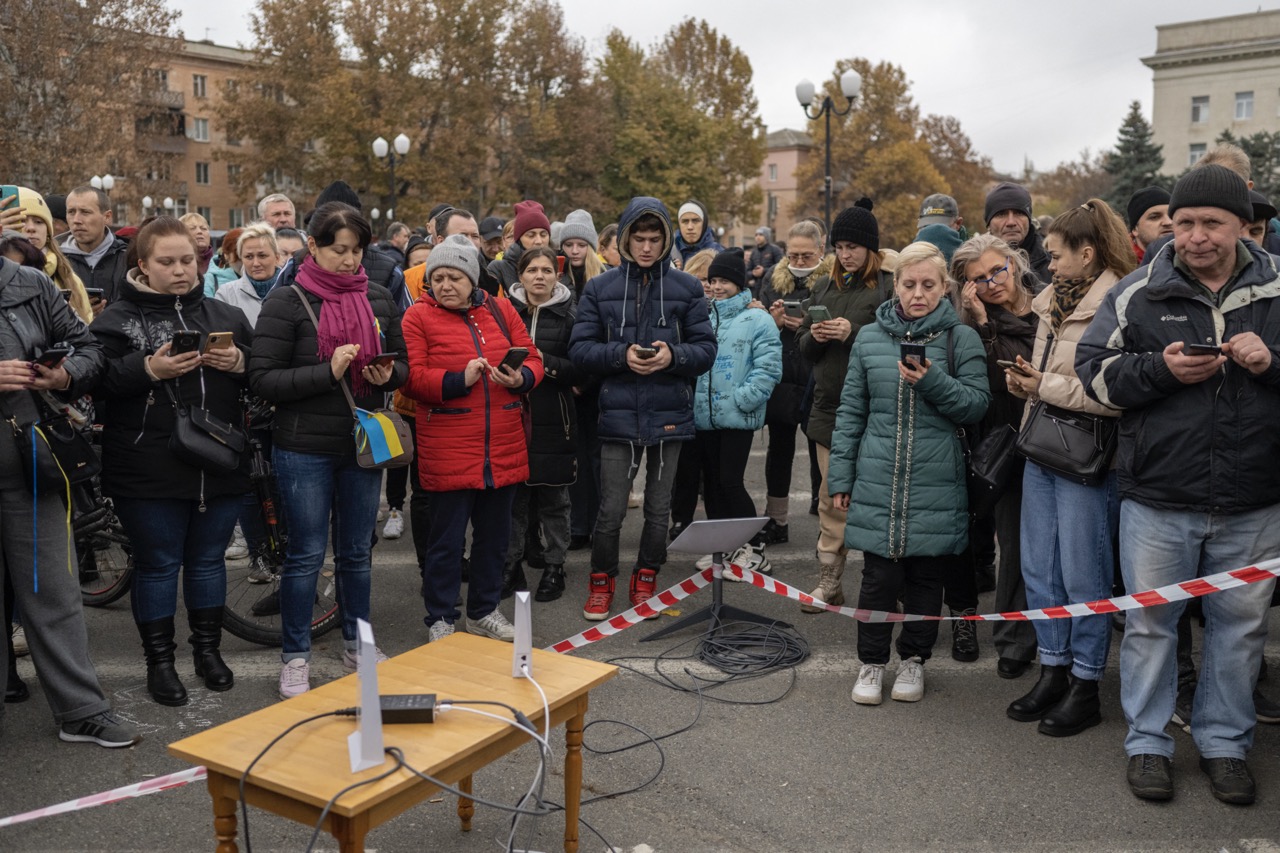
{"x": 301, "y": 369}
{"x": 177, "y": 516}
{"x": 546, "y": 306}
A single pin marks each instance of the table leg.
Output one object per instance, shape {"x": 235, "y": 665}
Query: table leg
{"x": 224, "y": 812}
{"x": 573, "y": 777}
{"x": 466, "y": 808}
{"x": 350, "y": 832}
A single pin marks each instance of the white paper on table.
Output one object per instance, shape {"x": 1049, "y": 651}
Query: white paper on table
{"x": 364, "y": 745}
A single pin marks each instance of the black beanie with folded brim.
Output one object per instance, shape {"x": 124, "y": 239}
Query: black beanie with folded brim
{"x": 1142, "y": 201}
{"x": 729, "y": 265}
{"x": 1212, "y": 186}
{"x": 338, "y": 191}
{"x": 857, "y": 225}
{"x": 1006, "y": 196}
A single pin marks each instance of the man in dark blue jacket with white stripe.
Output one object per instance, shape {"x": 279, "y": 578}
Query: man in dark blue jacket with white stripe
{"x": 644, "y": 328}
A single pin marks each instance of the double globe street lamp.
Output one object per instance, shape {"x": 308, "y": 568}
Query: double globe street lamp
{"x": 399, "y": 145}
{"x": 850, "y": 86}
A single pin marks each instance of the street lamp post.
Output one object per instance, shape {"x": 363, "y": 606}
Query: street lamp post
{"x": 850, "y": 85}
{"x": 146, "y": 205}
{"x": 399, "y": 145}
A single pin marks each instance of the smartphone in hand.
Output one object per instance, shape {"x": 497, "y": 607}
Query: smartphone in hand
{"x": 645, "y": 353}
{"x": 913, "y": 354}
{"x": 53, "y": 356}
{"x": 819, "y": 313}
{"x": 218, "y": 340}
{"x": 1012, "y": 365}
{"x": 184, "y": 341}
{"x": 1202, "y": 349}
{"x": 514, "y": 358}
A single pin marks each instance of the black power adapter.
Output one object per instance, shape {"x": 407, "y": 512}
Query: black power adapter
{"x": 408, "y": 708}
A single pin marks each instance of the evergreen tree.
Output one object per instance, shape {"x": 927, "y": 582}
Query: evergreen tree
{"x": 1263, "y": 149}
{"x": 1136, "y": 162}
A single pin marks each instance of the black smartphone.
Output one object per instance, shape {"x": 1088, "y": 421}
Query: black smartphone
{"x": 53, "y": 356}
{"x": 819, "y": 313}
{"x": 913, "y": 353}
{"x": 1202, "y": 349}
{"x": 384, "y": 359}
{"x": 793, "y": 309}
{"x": 184, "y": 341}
{"x": 1012, "y": 365}
{"x": 66, "y": 296}
{"x": 645, "y": 353}
{"x": 514, "y": 358}
{"x": 95, "y": 293}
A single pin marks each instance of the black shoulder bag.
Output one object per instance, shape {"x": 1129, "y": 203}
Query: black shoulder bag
{"x": 991, "y": 463}
{"x": 54, "y": 454}
{"x": 1075, "y": 445}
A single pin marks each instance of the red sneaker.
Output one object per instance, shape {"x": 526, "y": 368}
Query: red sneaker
{"x": 644, "y": 583}
{"x": 600, "y": 598}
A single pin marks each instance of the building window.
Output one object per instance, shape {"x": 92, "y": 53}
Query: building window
{"x": 200, "y": 129}
{"x": 207, "y": 213}
{"x": 1200, "y": 110}
{"x": 180, "y": 207}
{"x": 233, "y": 172}
{"x": 1244, "y": 106}
{"x": 202, "y": 173}
{"x": 1198, "y": 150}
{"x": 235, "y": 218}
{"x": 200, "y": 85}
{"x": 773, "y": 171}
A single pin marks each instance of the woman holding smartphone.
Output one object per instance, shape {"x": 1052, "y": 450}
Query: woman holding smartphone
{"x": 1068, "y": 528}
{"x": 839, "y": 307}
{"x": 28, "y": 213}
{"x": 469, "y": 414}
{"x": 301, "y": 365}
{"x": 178, "y": 516}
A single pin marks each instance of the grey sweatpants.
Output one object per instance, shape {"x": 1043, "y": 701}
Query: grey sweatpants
{"x": 54, "y": 616}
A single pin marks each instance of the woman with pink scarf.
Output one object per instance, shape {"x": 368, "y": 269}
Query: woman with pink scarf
{"x": 301, "y": 367}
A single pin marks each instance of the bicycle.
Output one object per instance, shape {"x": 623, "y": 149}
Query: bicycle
{"x": 102, "y": 548}
{"x": 252, "y": 610}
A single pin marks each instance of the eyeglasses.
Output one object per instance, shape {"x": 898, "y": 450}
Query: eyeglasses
{"x": 997, "y": 277}
{"x": 802, "y": 259}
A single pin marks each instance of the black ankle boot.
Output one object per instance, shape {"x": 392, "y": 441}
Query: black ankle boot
{"x": 162, "y": 679}
{"x": 206, "y": 637}
{"x": 15, "y": 689}
{"x": 513, "y": 579}
{"x": 1046, "y": 693}
{"x": 551, "y": 586}
{"x": 1077, "y": 711}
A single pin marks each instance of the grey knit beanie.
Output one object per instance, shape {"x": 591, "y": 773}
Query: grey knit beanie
{"x": 1212, "y": 186}
{"x": 579, "y": 226}
{"x": 457, "y": 252}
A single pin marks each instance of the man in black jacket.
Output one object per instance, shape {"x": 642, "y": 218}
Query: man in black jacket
{"x": 97, "y": 255}
{"x": 763, "y": 256}
{"x": 1007, "y": 213}
{"x": 1196, "y": 470}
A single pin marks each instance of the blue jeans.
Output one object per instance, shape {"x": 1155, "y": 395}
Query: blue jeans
{"x": 489, "y": 513}
{"x": 168, "y": 535}
{"x": 1068, "y": 530}
{"x": 312, "y": 487}
{"x": 1160, "y": 547}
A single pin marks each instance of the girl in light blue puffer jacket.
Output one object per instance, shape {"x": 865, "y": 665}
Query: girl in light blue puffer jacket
{"x": 729, "y": 404}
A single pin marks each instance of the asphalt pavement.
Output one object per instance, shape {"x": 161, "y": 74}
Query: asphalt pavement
{"x": 785, "y": 762}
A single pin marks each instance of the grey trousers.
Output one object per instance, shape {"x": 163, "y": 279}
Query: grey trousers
{"x": 545, "y": 506}
{"x": 1013, "y": 640}
{"x": 54, "y": 616}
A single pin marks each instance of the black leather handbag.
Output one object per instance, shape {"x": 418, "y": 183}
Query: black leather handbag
{"x": 202, "y": 439}
{"x": 993, "y": 465}
{"x": 1075, "y": 445}
{"x": 54, "y": 454}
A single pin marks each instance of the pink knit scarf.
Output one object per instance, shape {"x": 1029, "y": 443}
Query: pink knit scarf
{"x": 345, "y": 318}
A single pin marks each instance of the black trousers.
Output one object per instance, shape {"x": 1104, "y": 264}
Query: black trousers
{"x": 779, "y": 459}
{"x": 918, "y": 581}
{"x": 724, "y": 454}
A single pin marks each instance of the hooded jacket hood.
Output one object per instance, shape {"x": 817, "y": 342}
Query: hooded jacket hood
{"x": 636, "y": 208}
{"x": 560, "y": 294}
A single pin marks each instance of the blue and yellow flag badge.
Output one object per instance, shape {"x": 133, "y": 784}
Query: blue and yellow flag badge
{"x": 375, "y": 432}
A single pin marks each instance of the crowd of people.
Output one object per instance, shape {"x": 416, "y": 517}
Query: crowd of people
{"x": 541, "y": 365}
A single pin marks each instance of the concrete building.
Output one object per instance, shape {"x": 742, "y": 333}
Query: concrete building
{"x": 1210, "y": 76}
{"x": 787, "y": 150}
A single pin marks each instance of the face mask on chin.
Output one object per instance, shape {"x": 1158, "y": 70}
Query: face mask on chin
{"x": 802, "y": 272}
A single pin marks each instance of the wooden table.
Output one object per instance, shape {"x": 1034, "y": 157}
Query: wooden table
{"x": 308, "y": 767}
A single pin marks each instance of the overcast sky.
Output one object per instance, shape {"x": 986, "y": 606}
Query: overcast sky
{"x": 1038, "y": 81}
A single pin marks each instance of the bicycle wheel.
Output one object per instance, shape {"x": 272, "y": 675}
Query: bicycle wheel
{"x": 252, "y": 610}
{"x": 106, "y": 565}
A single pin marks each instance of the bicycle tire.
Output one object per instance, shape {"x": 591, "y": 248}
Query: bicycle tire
{"x": 242, "y": 596}
{"x": 106, "y": 565}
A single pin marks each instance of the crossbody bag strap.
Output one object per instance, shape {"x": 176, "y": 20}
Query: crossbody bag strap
{"x": 342, "y": 383}
{"x": 167, "y": 384}
{"x": 1044, "y": 356}
{"x": 499, "y": 319}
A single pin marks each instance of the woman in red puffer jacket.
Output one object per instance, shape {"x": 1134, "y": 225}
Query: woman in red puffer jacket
{"x": 470, "y": 434}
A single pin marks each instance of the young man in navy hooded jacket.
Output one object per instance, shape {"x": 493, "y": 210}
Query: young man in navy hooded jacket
{"x": 643, "y": 327}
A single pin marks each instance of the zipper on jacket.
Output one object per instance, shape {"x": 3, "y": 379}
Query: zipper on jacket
{"x": 475, "y": 339}
{"x": 146, "y": 410}
{"x": 711, "y": 374}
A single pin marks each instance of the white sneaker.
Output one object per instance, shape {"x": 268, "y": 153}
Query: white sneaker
{"x": 351, "y": 663}
{"x": 394, "y": 528}
{"x": 495, "y": 626}
{"x": 20, "y": 647}
{"x": 705, "y": 562}
{"x": 237, "y": 550}
{"x": 295, "y": 678}
{"x": 909, "y": 685}
{"x": 383, "y": 511}
{"x": 439, "y": 631}
{"x": 868, "y": 690}
{"x": 750, "y": 557}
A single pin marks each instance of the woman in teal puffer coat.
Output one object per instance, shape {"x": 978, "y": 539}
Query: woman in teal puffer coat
{"x": 730, "y": 400}
{"x": 896, "y": 463}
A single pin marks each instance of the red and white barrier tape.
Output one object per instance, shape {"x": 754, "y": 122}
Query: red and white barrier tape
{"x": 128, "y": 792}
{"x": 637, "y": 614}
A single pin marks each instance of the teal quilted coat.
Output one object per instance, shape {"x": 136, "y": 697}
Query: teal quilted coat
{"x": 895, "y": 449}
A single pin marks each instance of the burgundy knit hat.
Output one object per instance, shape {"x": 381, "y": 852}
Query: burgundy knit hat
{"x": 529, "y": 215}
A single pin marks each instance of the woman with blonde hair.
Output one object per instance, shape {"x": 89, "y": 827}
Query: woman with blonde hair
{"x": 30, "y": 214}
{"x": 199, "y": 228}
{"x": 1068, "y": 527}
